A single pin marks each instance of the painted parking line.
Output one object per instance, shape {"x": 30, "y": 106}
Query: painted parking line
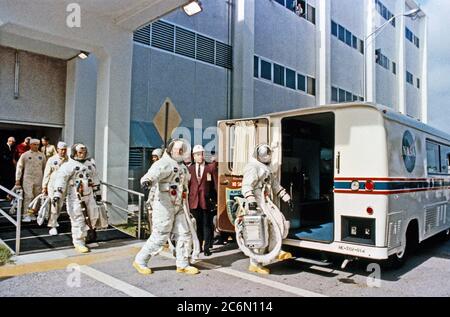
{"x": 255, "y": 279}
{"x": 115, "y": 283}
{"x": 59, "y": 234}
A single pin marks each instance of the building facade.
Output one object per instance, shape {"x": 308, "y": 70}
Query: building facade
{"x": 285, "y": 54}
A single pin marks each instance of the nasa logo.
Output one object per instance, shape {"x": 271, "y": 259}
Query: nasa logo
{"x": 409, "y": 151}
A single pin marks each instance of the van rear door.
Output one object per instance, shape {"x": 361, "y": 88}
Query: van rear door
{"x": 237, "y": 140}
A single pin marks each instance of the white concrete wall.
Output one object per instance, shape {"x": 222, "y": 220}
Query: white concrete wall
{"x": 42, "y": 82}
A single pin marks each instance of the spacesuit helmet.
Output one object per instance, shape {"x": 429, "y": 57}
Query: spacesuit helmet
{"x": 177, "y": 150}
{"x": 263, "y": 153}
{"x": 157, "y": 152}
{"x": 79, "y": 152}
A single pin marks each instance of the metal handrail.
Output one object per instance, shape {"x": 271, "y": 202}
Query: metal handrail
{"x": 140, "y": 197}
{"x": 16, "y": 222}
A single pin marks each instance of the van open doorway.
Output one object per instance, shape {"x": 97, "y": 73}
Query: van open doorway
{"x": 307, "y": 172}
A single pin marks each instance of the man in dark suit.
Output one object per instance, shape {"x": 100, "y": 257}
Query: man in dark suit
{"x": 7, "y": 168}
{"x": 203, "y": 197}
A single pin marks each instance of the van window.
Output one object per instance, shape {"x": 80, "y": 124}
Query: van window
{"x": 433, "y": 165}
{"x": 445, "y": 159}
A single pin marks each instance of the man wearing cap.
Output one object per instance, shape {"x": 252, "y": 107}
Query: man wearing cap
{"x": 203, "y": 197}
{"x": 22, "y": 148}
{"x": 47, "y": 148}
{"x": 29, "y": 173}
{"x": 53, "y": 164}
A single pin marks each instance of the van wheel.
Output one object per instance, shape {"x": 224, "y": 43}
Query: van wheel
{"x": 397, "y": 260}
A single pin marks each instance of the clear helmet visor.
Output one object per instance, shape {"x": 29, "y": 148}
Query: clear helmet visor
{"x": 264, "y": 154}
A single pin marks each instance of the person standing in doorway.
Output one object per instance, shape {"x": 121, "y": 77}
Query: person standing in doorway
{"x": 47, "y": 148}
{"x": 7, "y": 168}
{"x": 203, "y": 197}
{"x": 22, "y": 148}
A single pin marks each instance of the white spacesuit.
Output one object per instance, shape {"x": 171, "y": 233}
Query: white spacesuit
{"x": 52, "y": 166}
{"x": 79, "y": 180}
{"x": 257, "y": 183}
{"x": 169, "y": 219}
{"x": 29, "y": 173}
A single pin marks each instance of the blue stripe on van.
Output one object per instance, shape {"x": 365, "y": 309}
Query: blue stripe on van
{"x": 393, "y": 185}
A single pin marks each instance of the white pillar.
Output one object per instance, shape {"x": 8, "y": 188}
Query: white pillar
{"x": 81, "y": 83}
{"x": 243, "y": 54}
{"x": 369, "y": 53}
{"x": 424, "y": 79}
{"x": 401, "y": 57}
{"x": 113, "y": 121}
{"x": 323, "y": 56}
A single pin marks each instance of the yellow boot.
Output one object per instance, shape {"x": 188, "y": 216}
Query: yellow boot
{"x": 283, "y": 255}
{"x": 258, "y": 269}
{"x": 188, "y": 270}
{"x": 142, "y": 269}
{"x": 81, "y": 248}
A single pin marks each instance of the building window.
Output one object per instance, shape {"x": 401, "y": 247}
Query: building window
{"x": 345, "y": 35}
{"x": 348, "y": 37}
{"x": 418, "y": 83}
{"x": 341, "y": 96}
{"x": 382, "y": 60}
{"x": 334, "y": 28}
{"x": 394, "y": 68}
{"x": 334, "y": 94}
{"x": 266, "y": 70}
{"x": 355, "y": 42}
{"x": 361, "y": 46}
{"x": 311, "y": 86}
{"x": 409, "y": 35}
{"x": 301, "y": 82}
{"x": 280, "y": 2}
{"x": 416, "y": 42}
{"x": 384, "y": 12}
{"x": 341, "y": 33}
{"x": 348, "y": 96}
{"x": 409, "y": 78}
{"x": 278, "y": 74}
{"x": 311, "y": 14}
{"x": 290, "y": 78}
{"x": 256, "y": 66}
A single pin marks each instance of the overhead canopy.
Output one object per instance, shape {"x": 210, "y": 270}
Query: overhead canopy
{"x": 144, "y": 134}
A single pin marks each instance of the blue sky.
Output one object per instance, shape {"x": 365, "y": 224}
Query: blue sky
{"x": 438, "y": 12}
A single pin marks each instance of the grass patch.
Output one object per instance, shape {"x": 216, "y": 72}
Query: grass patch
{"x": 5, "y": 255}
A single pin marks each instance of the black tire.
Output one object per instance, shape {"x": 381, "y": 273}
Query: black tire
{"x": 396, "y": 261}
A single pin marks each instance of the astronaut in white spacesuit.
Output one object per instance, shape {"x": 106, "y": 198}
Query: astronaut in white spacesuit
{"x": 171, "y": 178}
{"x": 256, "y": 185}
{"x": 78, "y": 179}
{"x": 52, "y": 166}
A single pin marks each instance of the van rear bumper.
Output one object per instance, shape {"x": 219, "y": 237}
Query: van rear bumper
{"x": 356, "y": 250}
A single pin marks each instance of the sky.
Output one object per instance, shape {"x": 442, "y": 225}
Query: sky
{"x": 438, "y": 12}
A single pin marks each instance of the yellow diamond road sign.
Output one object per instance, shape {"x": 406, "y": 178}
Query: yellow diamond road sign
{"x": 166, "y": 120}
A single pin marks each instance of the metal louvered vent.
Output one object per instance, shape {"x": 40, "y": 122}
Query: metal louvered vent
{"x": 142, "y": 35}
{"x": 136, "y": 158}
{"x": 224, "y": 55}
{"x": 205, "y": 49}
{"x": 163, "y": 36}
{"x": 185, "y": 42}
{"x": 431, "y": 219}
